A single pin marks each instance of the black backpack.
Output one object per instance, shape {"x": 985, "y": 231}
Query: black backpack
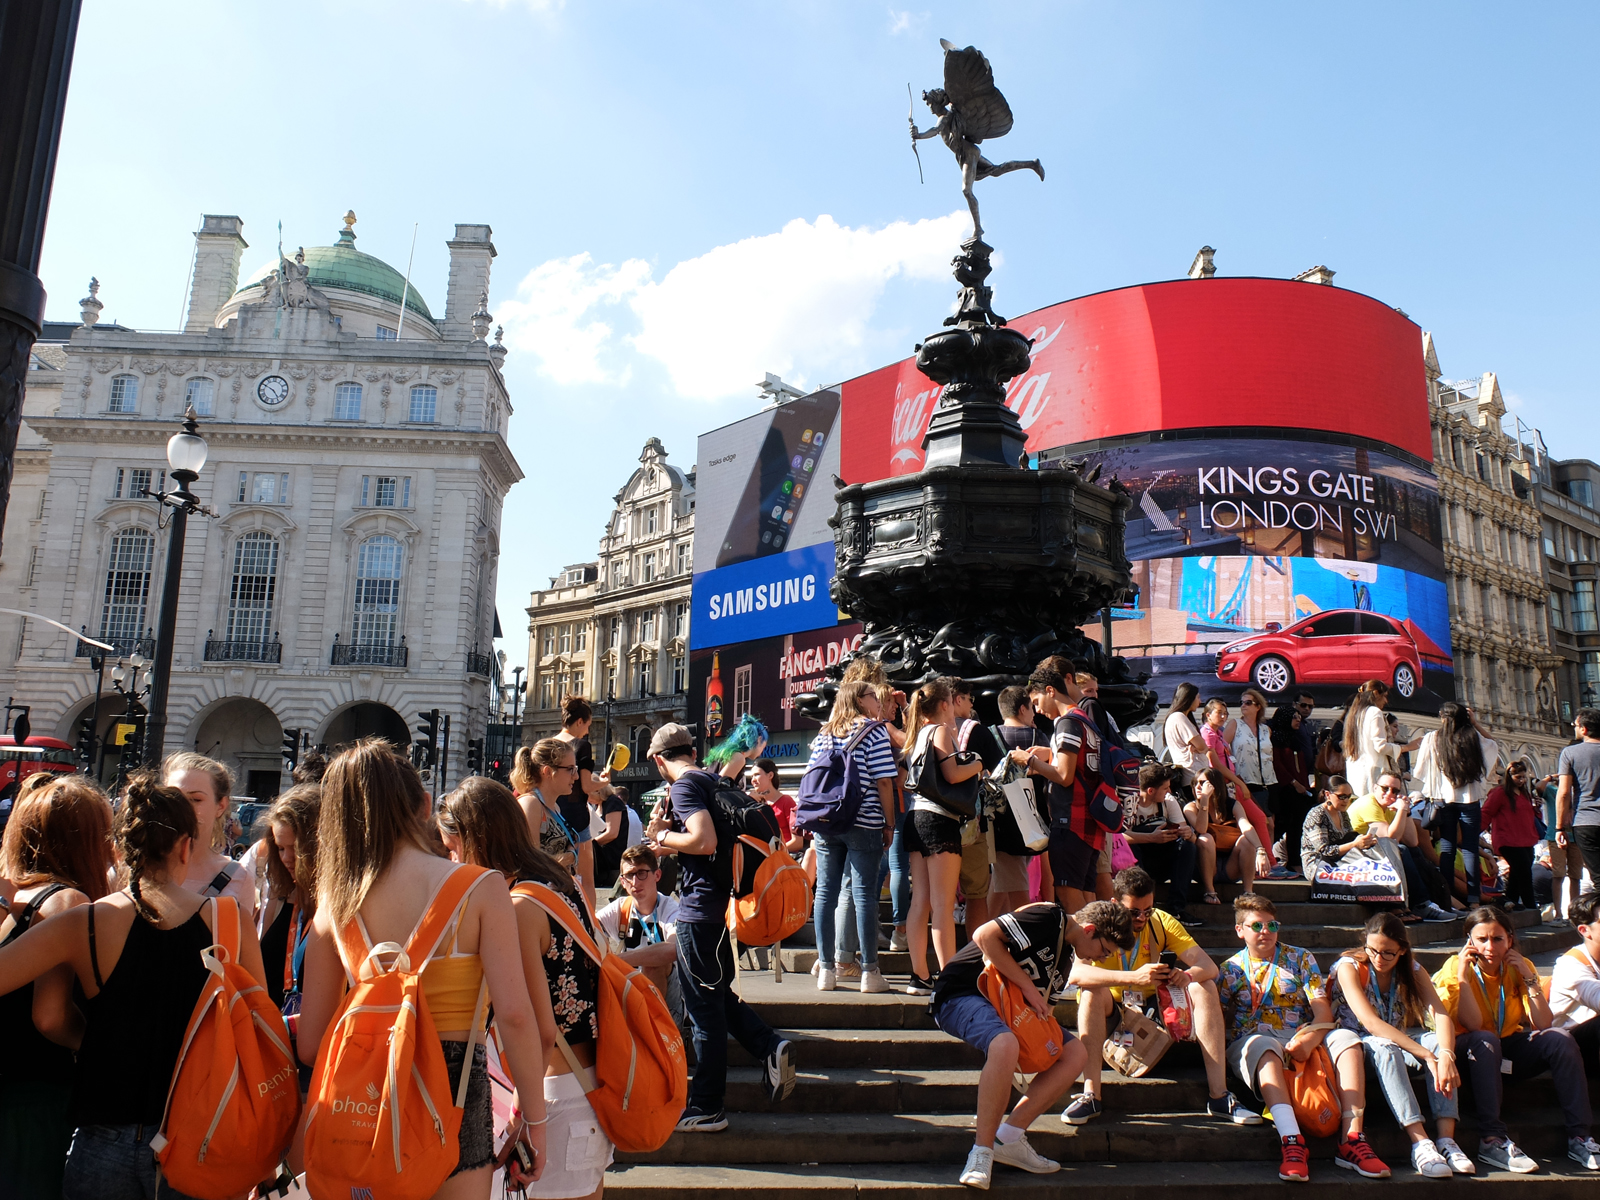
{"x": 736, "y": 813}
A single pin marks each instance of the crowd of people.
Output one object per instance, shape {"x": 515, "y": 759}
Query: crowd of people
{"x": 110, "y": 917}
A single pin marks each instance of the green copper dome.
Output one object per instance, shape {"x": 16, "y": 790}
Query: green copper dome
{"x": 343, "y": 266}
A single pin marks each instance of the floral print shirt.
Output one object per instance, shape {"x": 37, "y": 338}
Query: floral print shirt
{"x": 1285, "y": 988}
{"x": 574, "y": 980}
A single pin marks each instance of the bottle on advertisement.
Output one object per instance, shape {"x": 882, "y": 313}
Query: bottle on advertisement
{"x": 714, "y": 698}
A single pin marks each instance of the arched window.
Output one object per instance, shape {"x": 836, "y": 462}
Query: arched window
{"x": 255, "y": 588}
{"x": 377, "y": 610}
{"x": 201, "y": 395}
{"x": 424, "y": 403}
{"x": 122, "y": 619}
{"x": 347, "y": 402}
{"x": 124, "y": 394}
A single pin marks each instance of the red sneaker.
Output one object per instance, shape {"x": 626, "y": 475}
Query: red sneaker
{"x": 1296, "y": 1166}
{"x": 1355, "y": 1155}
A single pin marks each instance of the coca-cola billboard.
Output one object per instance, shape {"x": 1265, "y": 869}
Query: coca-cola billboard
{"x": 1186, "y": 354}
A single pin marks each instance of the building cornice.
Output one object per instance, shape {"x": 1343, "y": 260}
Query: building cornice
{"x": 488, "y": 447}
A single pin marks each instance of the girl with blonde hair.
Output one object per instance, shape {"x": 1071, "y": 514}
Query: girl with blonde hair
{"x": 209, "y": 786}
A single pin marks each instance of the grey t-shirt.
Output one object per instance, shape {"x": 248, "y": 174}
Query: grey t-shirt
{"x": 1582, "y": 762}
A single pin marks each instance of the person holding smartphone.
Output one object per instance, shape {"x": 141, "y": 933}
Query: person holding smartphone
{"x": 1504, "y": 1026}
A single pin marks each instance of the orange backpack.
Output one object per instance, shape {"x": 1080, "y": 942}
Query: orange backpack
{"x": 779, "y": 900}
{"x": 382, "y": 1121}
{"x": 1039, "y": 1039}
{"x": 640, "y": 1081}
{"x": 235, "y": 1094}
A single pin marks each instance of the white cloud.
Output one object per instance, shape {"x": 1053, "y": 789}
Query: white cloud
{"x": 552, "y": 316}
{"x": 902, "y": 20}
{"x": 799, "y": 302}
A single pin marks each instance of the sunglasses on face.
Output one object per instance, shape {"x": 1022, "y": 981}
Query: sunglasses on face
{"x": 1345, "y": 795}
{"x": 1247, "y": 704}
{"x": 1393, "y": 791}
{"x": 1260, "y": 927}
{"x": 1305, "y": 708}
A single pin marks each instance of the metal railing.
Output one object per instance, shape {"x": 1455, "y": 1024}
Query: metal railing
{"x": 350, "y": 654}
{"x": 244, "y": 650}
{"x": 479, "y": 664}
{"x": 125, "y": 647}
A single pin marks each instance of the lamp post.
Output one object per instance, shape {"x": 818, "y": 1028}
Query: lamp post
{"x": 186, "y": 454}
{"x": 516, "y": 700}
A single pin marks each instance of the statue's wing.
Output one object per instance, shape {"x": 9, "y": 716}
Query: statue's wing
{"x": 969, "y": 80}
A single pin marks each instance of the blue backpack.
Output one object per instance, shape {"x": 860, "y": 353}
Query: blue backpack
{"x": 1119, "y": 779}
{"x": 831, "y": 790}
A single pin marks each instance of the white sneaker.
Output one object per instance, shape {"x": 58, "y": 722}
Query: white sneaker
{"x": 849, "y": 970}
{"x": 827, "y": 979}
{"x": 872, "y": 980}
{"x": 1428, "y": 1162}
{"x": 898, "y": 943}
{"x": 1020, "y": 1154}
{"x": 979, "y": 1168}
{"x": 1456, "y": 1157}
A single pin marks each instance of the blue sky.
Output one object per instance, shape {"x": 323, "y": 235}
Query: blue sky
{"x": 685, "y": 196}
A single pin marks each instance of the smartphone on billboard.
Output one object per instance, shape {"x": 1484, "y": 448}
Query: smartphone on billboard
{"x": 782, "y": 478}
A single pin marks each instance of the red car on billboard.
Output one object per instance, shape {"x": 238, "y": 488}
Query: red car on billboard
{"x": 1343, "y": 646}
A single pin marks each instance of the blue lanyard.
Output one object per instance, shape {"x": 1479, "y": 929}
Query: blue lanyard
{"x": 650, "y": 927}
{"x": 1384, "y": 1004}
{"x": 1500, "y": 1020}
{"x": 1259, "y": 998}
{"x": 565, "y": 828}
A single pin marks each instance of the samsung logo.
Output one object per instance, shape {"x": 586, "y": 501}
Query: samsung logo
{"x": 800, "y": 589}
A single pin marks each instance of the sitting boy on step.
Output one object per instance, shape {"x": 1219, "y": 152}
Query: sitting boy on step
{"x": 1033, "y": 948}
{"x": 1277, "y": 1007}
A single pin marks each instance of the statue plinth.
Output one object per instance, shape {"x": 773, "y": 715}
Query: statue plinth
{"x": 974, "y": 566}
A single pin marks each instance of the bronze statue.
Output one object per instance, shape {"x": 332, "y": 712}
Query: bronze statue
{"x": 970, "y": 108}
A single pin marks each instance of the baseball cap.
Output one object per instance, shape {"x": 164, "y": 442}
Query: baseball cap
{"x": 670, "y": 737}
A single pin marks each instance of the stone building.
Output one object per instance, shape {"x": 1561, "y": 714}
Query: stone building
{"x": 616, "y": 630}
{"x": 1567, "y": 491}
{"x": 1505, "y": 665}
{"x": 357, "y": 467}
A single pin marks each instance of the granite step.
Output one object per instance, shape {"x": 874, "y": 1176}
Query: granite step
{"x": 1209, "y": 1180}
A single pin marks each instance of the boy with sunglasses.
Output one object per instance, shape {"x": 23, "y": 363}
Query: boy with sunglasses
{"x": 1276, "y": 1003}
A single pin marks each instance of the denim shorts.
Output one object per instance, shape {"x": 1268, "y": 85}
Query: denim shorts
{"x": 975, "y": 1021}
{"x": 114, "y": 1162}
{"x": 476, "y": 1139}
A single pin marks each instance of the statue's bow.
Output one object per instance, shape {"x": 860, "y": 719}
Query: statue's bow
{"x": 911, "y": 118}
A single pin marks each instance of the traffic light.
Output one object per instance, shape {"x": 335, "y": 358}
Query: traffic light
{"x": 291, "y": 748}
{"x": 428, "y": 727}
{"x": 86, "y": 738}
{"x": 474, "y": 754}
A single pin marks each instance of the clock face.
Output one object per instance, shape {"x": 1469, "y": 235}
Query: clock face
{"x": 273, "y": 390}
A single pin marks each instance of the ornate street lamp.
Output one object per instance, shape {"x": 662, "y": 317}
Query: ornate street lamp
{"x": 186, "y": 455}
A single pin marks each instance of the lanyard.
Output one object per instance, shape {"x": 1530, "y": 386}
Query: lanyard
{"x": 1259, "y": 995}
{"x": 1500, "y": 1020}
{"x": 1384, "y": 1004}
{"x": 565, "y": 828}
{"x": 651, "y": 928}
{"x": 300, "y": 934}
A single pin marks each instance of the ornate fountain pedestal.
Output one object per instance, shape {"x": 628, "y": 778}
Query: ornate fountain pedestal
{"x": 975, "y": 566}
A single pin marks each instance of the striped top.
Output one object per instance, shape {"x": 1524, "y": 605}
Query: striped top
{"x": 874, "y": 759}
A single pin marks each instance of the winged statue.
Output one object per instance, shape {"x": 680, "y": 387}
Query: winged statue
{"x": 969, "y": 109}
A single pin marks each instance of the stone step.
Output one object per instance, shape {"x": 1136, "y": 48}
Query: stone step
{"x": 947, "y": 1088}
{"x": 780, "y": 1138}
{"x": 874, "y": 1049}
{"x": 1211, "y": 1180}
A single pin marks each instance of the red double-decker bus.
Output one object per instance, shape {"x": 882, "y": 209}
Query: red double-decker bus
{"x": 34, "y": 755}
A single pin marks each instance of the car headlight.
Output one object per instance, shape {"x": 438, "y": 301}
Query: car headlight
{"x": 1238, "y": 646}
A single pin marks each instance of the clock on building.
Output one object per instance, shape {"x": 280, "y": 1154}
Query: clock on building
{"x": 273, "y": 390}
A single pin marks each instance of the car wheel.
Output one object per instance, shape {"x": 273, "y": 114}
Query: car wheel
{"x": 1405, "y": 680}
{"x": 1272, "y": 675}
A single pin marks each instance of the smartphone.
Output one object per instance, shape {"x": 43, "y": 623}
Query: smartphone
{"x": 1169, "y": 959}
{"x": 783, "y": 476}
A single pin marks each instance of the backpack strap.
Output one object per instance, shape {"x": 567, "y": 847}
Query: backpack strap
{"x": 220, "y": 881}
{"x": 440, "y": 914}
{"x": 859, "y": 735}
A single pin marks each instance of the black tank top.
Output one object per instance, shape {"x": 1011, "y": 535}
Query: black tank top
{"x": 29, "y": 1055}
{"x": 136, "y": 1025}
{"x": 275, "y": 951}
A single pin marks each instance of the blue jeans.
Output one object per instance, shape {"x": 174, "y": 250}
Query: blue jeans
{"x": 705, "y": 965}
{"x": 1459, "y": 827}
{"x": 896, "y": 869}
{"x": 859, "y": 850}
{"x": 114, "y": 1162}
{"x": 1394, "y": 1066}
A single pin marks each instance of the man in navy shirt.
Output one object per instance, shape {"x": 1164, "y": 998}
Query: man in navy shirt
{"x": 704, "y": 847}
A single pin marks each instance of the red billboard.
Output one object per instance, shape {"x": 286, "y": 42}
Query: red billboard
{"x": 1184, "y": 354}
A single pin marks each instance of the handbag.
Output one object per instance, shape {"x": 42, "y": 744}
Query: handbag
{"x": 1313, "y": 1092}
{"x": 924, "y": 777}
{"x": 1135, "y": 1049}
{"x": 1016, "y": 789}
{"x": 1175, "y": 1011}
